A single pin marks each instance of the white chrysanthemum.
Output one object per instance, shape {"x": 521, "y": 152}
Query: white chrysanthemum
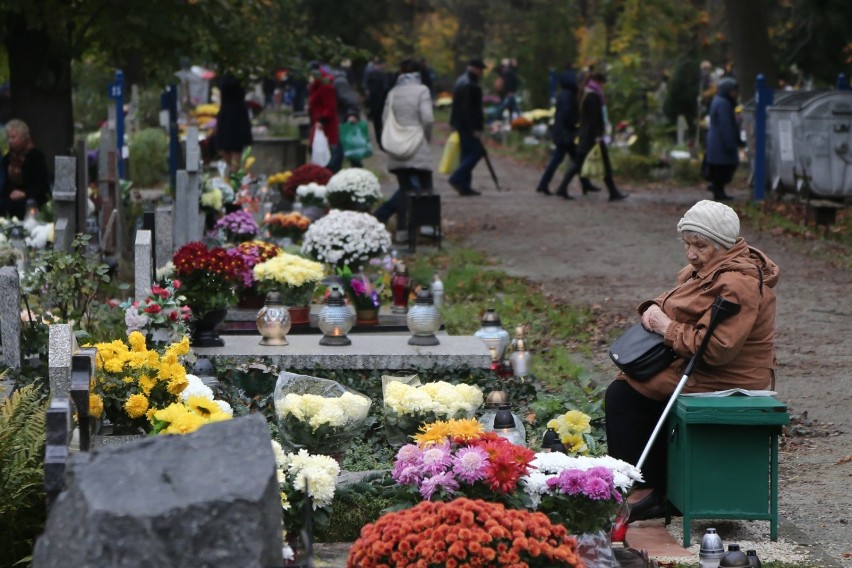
{"x": 330, "y": 414}
{"x": 224, "y": 407}
{"x": 357, "y": 407}
{"x": 361, "y": 185}
{"x": 346, "y": 238}
{"x": 278, "y": 451}
{"x": 166, "y": 271}
{"x": 311, "y": 190}
{"x": 195, "y": 387}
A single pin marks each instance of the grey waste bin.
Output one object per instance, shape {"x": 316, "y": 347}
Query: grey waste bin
{"x": 784, "y": 130}
{"x": 778, "y": 97}
{"x": 825, "y": 155}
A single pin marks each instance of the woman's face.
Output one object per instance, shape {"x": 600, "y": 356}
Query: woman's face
{"x": 15, "y": 138}
{"x": 699, "y": 251}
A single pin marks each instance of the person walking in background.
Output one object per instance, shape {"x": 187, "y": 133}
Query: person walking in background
{"x": 467, "y": 118}
{"x": 723, "y": 138}
{"x": 322, "y": 109}
{"x": 564, "y": 132}
{"x": 376, "y": 84}
{"x": 410, "y": 102}
{"x": 233, "y": 125}
{"x": 347, "y": 111}
{"x": 25, "y": 172}
{"x": 592, "y": 130}
{"x": 510, "y": 84}
{"x": 427, "y": 76}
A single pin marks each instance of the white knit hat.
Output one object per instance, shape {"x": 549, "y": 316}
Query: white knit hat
{"x": 714, "y": 220}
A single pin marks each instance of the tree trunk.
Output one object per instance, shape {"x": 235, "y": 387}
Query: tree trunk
{"x": 40, "y": 87}
{"x": 749, "y": 26}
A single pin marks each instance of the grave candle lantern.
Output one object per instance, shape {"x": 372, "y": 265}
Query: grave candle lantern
{"x": 335, "y": 320}
{"x": 492, "y": 334}
{"x": 273, "y": 321}
{"x": 400, "y": 288}
{"x": 423, "y": 320}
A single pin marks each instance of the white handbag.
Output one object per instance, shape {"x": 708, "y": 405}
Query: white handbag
{"x": 320, "y": 150}
{"x": 401, "y": 142}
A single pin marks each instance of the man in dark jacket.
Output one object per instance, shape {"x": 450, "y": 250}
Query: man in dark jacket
{"x": 347, "y": 111}
{"x": 564, "y": 132}
{"x": 723, "y": 138}
{"x": 467, "y": 118}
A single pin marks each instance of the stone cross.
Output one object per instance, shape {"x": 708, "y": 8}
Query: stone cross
{"x": 65, "y": 202}
{"x": 142, "y": 263}
{"x": 187, "y": 221}
{"x": 61, "y": 346}
{"x": 58, "y": 432}
{"x": 10, "y": 316}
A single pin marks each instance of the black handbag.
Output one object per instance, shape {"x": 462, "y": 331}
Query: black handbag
{"x": 640, "y": 353}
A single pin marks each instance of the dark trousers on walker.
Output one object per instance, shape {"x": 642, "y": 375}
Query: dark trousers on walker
{"x": 409, "y": 179}
{"x": 577, "y": 166}
{"x": 630, "y": 420}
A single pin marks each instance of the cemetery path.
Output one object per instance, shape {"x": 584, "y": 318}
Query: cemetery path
{"x": 612, "y": 255}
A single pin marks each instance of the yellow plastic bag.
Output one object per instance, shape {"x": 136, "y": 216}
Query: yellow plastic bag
{"x": 593, "y": 166}
{"x": 451, "y": 156}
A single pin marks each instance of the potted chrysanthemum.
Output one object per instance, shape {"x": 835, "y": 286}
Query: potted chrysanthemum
{"x": 346, "y": 238}
{"x": 292, "y": 276}
{"x": 354, "y": 189}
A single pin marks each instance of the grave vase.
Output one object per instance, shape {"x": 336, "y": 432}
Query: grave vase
{"x": 204, "y": 332}
{"x": 300, "y": 315}
{"x": 595, "y": 550}
{"x": 367, "y": 316}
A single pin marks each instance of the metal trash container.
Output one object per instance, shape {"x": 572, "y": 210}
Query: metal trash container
{"x": 747, "y": 127}
{"x": 825, "y": 145}
{"x": 784, "y": 130}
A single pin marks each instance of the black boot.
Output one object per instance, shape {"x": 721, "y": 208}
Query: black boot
{"x": 614, "y": 194}
{"x": 588, "y": 186}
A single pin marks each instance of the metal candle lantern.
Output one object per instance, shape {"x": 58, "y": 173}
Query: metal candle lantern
{"x": 492, "y": 334}
{"x": 18, "y": 243}
{"x": 335, "y": 320}
{"x": 423, "y": 320}
{"x": 400, "y": 288}
{"x": 273, "y": 321}
{"x": 499, "y": 419}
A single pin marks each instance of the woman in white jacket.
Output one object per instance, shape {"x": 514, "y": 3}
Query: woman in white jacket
{"x": 411, "y": 104}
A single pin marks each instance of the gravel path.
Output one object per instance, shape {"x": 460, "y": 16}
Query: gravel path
{"x": 612, "y": 255}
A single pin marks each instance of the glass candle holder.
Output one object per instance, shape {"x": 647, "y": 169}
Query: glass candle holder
{"x": 400, "y": 288}
{"x": 492, "y": 334}
{"x": 335, "y": 320}
{"x": 423, "y": 320}
{"x": 273, "y": 321}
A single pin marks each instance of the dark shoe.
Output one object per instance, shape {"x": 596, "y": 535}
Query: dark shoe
{"x": 469, "y": 192}
{"x": 564, "y": 195}
{"x": 651, "y": 507}
{"x": 590, "y": 189}
{"x": 543, "y": 190}
{"x": 617, "y": 196}
{"x": 459, "y": 189}
{"x": 722, "y": 197}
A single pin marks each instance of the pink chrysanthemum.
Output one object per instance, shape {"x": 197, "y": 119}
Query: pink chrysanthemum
{"x": 443, "y": 480}
{"x": 470, "y": 464}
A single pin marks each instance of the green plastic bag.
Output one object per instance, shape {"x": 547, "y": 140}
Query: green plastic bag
{"x": 355, "y": 139}
{"x": 593, "y": 166}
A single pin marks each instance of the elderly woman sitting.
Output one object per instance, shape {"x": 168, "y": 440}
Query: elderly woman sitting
{"x": 26, "y": 172}
{"x": 740, "y": 353}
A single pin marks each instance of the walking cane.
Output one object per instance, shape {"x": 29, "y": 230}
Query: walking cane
{"x": 721, "y": 309}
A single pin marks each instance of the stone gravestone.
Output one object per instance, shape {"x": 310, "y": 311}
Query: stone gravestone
{"x": 682, "y": 128}
{"x": 10, "y": 316}
{"x": 57, "y": 436}
{"x": 109, "y": 192}
{"x": 142, "y": 265}
{"x": 65, "y": 202}
{"x": 82, "y": 157}
{"x": 61, "y": 347}
{"x": 207, "y": 499}
{"x": 165, "y": 236}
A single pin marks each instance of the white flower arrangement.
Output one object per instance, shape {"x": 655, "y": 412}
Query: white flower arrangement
{"x": 317, "y": 411}
{"x": 353, "y": 188}
{"x": 346, "y": 238}
{"x": 440, "y": 398}
{"x": 196, "y": 387}
{"x": 548, "y": 465}
{"x": 312, "y": 194}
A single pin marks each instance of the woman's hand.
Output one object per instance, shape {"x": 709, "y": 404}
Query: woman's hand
{"x": 17, "y": 195}
{"x": 655, "y": 320}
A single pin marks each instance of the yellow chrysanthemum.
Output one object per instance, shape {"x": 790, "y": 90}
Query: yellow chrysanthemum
{"x": 203, "y": 406}
{"x": 171, "y": 412}
{"x": 137, "y": 341}
{"x": 177, "y": 384}
{"x": 185, "y": 423}
{"x": 433, "y": 433}
{"x": 136, "y": 405}
{"x": 146, "y": 383}
{"x": 114, "y": 365}
{"x": 579, "y": 421}
{"x": 465, "y": 428}
{"x": 127, "y": 379}
{"x": 575, "y": 443}
{"x": 96, "y": 405}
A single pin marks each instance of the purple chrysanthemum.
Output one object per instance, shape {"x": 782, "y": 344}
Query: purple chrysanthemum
{"x": 470, "y": 464}
{"x": 407, "y": 473}
{"x": 570, "y": 481}
{"x": 431, "y": 484}
{"x": 436, "y": 458}
{"x": 409, "y": 453}
{"x": 596, "y": 488}
{"x": 601, "y": 472}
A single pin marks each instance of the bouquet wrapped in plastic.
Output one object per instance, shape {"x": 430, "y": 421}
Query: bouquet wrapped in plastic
{"x": 408, "y": 405}
{"x": 319, "y": 415}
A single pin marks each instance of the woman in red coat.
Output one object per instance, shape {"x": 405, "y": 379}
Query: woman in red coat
{"x": 322, "y": 108}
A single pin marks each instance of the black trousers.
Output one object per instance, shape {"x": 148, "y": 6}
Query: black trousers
{"x": 630, "y": 420}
